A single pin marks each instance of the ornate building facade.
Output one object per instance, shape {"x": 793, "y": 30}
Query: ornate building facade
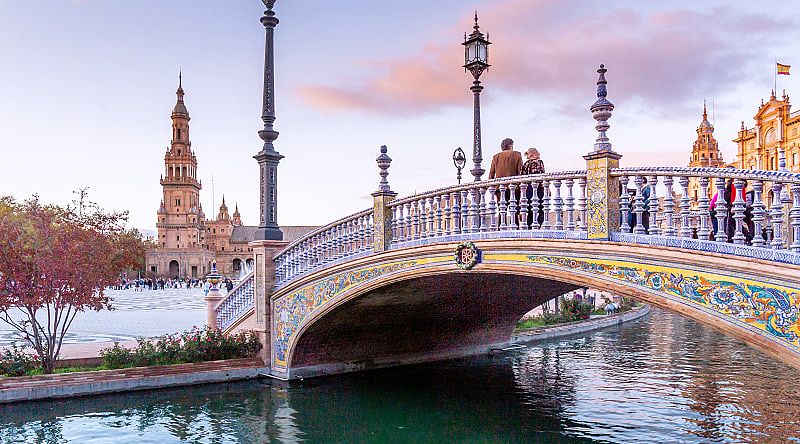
{"x": 776, "y": 128}
{"x": 187, "y": 242}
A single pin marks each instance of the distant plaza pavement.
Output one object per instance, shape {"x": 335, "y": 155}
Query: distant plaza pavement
{"x": 135, "y": 314}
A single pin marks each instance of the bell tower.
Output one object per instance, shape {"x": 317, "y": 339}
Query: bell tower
{"x": 705, "y": 151}
{"x": 180, "y": 218}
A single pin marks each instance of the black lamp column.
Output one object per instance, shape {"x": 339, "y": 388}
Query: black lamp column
{"x": 268, "y": 158}
{"x": 476, "y": 60}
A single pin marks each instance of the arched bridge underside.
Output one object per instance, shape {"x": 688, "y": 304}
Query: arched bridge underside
{"x": 414, "y": 304}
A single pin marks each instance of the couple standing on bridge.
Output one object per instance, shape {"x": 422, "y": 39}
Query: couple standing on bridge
{"x": 508, "y": 163}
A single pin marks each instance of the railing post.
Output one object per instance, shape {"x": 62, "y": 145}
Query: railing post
{"x": 602, "y": 216}
{"x": 213, "y": 297}
{"x": 382, "y": 219}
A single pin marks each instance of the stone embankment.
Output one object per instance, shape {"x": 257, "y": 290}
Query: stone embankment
{"x": 573, "y": 328}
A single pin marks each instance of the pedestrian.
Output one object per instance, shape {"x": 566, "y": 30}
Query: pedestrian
{"x": 507, "y": 162}
{"x": 534, "y": 165}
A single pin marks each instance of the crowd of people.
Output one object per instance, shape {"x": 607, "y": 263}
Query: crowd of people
{"x": 142, "y": 284}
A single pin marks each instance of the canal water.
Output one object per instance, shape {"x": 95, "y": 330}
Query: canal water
{"x": 662, "y": 379}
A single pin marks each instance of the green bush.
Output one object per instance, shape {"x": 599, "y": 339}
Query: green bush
{"x": 575, "y": 310}
{"x": 195, "y": 345}
{"x": 15, "y": 361}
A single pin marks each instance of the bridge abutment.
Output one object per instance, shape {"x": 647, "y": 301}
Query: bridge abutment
{"x": 264, "y": 280}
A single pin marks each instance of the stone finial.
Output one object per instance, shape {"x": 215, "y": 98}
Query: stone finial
{"x": 269, "y": 4}
{"x": 601, "y": 111}
{"x": 384, "y": 161}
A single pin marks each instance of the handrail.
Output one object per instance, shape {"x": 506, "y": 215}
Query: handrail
{"x": 321, "y": 230}
{"x": 711, "y": 172}
{"x": 238, "y": 300}
{"x": 488, "y": 183}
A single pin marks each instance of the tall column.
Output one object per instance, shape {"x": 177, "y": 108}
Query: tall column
{"x": 382, "y": 215}
{"x": 602, "y": 190}
{"x": 477, "y": 154}
{"x": 268, "y": 158}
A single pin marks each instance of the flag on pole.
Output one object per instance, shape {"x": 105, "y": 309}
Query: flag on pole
{"x": 783, "y": 69}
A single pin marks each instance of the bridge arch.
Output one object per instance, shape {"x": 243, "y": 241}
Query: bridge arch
{"x": 311, "y": 316}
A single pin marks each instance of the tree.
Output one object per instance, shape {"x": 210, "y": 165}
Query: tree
{"x": 56, "y": 262}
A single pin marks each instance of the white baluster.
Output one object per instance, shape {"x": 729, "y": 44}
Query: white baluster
{"x": 581, "y": 207}
{"x": 776, "y": 217}
{"x": 721, "y": 209}
{"x": 512, "y": 206}
{"x": 686, "y": 205}
{"x": 570, "y": 207}
{"x": 546, "y": 208}
{"x": 703, "y": 230}
{"x": 492, "y": 208}
{"x": 669, "y": 207}
{"x": 624, "y": 205}
{"x": 558, "y": 205}
{"x": 524, "y": 205}
{"x": 758, "y": 213}
{"x": 638, "y": 206}
{"x": 503, "y": 208}
{"x": 739, "y": 206}
{"x": 439, "y": 213}
{"x": 473, "y": 211}
{"x": 653, "y": 228}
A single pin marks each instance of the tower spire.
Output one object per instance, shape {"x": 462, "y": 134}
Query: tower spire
{"x": 705, "y": 112}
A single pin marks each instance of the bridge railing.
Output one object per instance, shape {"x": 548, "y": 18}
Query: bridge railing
{"x": 763, "y": 211}
{"x": 553, "y": 203}
{"x": 240, "y": 299}
{"x": 341, "y": 240}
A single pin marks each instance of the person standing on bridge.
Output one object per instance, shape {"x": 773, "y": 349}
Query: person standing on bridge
{"x": 507, "y": 162}
{"x": 534, "y": 165}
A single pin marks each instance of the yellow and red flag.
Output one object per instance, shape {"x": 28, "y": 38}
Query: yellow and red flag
{"x": 783, "y": 69}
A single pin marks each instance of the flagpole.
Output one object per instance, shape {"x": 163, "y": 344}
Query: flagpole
{"x": 775, "y": 77}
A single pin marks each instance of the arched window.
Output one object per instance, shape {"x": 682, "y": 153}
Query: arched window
{"x": 769, "y": 136}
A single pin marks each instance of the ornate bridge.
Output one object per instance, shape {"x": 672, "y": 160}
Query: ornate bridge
{"x": 450, "y": 271}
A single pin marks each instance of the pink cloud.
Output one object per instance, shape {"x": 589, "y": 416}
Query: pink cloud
{"x": 552, "y": 48}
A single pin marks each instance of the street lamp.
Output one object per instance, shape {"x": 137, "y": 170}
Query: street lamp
{"x": 476, "y": 60}
{"x": 459, "y": 160}
{"x": 268, "y": 158}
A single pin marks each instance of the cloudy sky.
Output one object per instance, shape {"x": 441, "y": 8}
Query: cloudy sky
{"x": 87, "y": 86}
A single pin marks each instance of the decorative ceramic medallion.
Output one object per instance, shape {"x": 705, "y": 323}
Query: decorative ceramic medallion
{"x": 466, "y": 255}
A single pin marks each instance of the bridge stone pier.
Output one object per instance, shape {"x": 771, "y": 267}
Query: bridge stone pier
{"x": 449, "y": 272}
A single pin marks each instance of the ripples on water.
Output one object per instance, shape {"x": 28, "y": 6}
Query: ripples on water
{"x": 663, "y": 379}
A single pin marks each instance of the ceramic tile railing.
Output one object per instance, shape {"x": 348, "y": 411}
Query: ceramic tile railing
{"x": 764, "y": 213}
{"x": 240, "y": 299}
{"x": 339, "y": 241}
{"x": 554, "y": 202}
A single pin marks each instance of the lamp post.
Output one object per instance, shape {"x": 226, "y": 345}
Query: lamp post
{"x": 459, "y": 160}
{"x": 476, "y": 60}
{"x": 268, "y": 158}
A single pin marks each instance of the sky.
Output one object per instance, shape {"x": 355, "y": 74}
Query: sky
{"x": 87, "y": 88}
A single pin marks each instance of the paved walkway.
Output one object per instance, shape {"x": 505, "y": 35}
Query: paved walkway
{"x": 63, "y": 385}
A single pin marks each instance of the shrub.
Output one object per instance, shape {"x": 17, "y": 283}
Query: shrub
{"x": 15, "y": 361}
{"x": 116, "y": 356}
{"x": 195, "y": 345}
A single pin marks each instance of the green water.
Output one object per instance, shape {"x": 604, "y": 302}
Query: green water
{"x": 662, "y": 379}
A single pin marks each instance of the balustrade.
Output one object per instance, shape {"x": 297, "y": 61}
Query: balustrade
{"x": 664, "y": 202}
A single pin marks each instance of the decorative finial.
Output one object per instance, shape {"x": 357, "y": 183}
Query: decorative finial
{"x": 705, "y": 113}
{"x": 384, "y": 161}
{"x": 476, "y": 20}
{"x": 180, "y": 78}
{"x": 269, "y": 4}
{"x": 601, "y": 111}
{"x": 772, "y": 95}
{"x": 742, "y": 125}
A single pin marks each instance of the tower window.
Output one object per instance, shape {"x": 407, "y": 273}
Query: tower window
{"x": 179, "y": 135}
{"x": 712, "y": 155}
{"x": 179, "y": 238}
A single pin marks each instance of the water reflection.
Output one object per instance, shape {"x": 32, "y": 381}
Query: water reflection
{"x": 663, "y": 379}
